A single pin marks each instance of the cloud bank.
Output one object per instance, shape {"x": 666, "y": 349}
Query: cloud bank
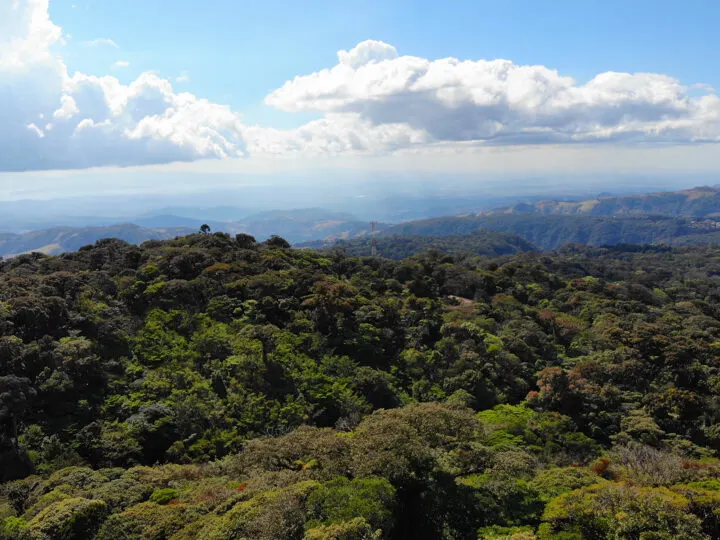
{"x": 500, "y": 102}
{"x": 374, "y": 101}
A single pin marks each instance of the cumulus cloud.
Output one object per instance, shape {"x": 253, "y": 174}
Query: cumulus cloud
{"x": 500, "y": 102}
{"x": 68, "y": 108}
{"x": 373, "y": 101}
{"x": 333, "y": 134}
{"x": 96, "y": 120}
{"x": 121, "y": 64}
{"x": 367, "y": 52}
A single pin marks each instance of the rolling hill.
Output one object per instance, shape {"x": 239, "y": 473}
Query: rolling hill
{"x": 696, "y": 202}
{"x": 302, "y": 225}
{"x": 553, "y": 231}
{"x": 61, "y": 239}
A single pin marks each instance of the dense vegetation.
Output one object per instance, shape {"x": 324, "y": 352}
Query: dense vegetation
{"x": 215, "y": 387}
{"x": 482, "y": 242}
{"x": 554, "y": 231}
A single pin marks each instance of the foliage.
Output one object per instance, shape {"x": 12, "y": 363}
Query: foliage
{"x": 217, "y": 387}
{"x": 343, "y": 500}
{"x": 74, "y": 518}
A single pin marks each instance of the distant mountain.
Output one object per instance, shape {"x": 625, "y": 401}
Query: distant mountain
{"x": 554, "y": 231}
{"x": 696, "y": 202}
{"x": 61, "y": 239}
{"x": 200, "y": 213}
{"x": 690, "y": 216}
{"x": 482, "y": 242}
{"x": 302, "y": 225}
{"x": 169, "y": 220}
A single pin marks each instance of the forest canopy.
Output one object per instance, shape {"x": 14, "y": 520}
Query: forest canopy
{"x": 217, "y": 387}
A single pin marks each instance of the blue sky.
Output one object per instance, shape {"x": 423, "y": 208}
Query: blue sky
{"x": 236, "y": 52}
{"x": 479, "y": 87}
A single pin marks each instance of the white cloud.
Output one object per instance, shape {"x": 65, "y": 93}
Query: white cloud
{"x": 97, "y": 121}
{"x": 333, "y": 134}
{"x": 367, "y": 52}
{"x": 68, "y": 108}
{"x": 121, "y": 64}
{"x": 500, "y": 102}
{"x": 183, "y": 77}
{"x": 373, "y": 102}
{"x": 100, "y": 42}
{"x": 36, "y": 130}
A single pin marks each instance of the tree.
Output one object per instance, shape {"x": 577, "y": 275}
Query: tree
{"x": 15, "y": 396}
{"x": 205, "y": 228}
{"x": 276, "y": 241}
{"x": 245, "y": 241}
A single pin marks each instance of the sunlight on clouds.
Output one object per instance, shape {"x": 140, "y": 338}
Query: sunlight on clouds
{"x": 374, "y": 102}
{"x": 503, "y": 103}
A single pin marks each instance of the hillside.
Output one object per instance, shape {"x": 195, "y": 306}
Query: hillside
{"x": 696, "y": 202}
{"x": 482, "y": 242}
{"x": 301, "y": 225}
{"x": 62, "y": 239}
{"x": 553, "y": 231}
{"x": 216, "y": 387}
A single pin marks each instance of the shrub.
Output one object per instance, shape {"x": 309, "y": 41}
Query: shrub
{"x": 497, "y": 532}
{"x": 147, "y": 521}
{"x": 343, "y": 500}
{"x": 77, "y": 477}
{"x": 13, "y": 527}
{"x": 163, "y": 495}
{"x": 270, "y": 515}
{"x": 355, "y": 529}
{"x": 556, "y": 481}
{"x": 122, "y": 493}
{"x": 69, "y": 519}
{"x": 60, "y": 493}
{"x": 619, "y": 511}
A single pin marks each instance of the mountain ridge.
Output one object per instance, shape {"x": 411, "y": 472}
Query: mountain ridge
{"x": 701, "y": 201}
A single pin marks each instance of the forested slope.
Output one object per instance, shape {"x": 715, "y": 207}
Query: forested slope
{"x": 215, "y": 387}
{"x": 481, "y": 242}
{"x": 554, "y": 231}
{"x": 702, "y": 201}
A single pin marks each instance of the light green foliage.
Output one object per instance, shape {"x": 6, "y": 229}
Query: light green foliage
{"x": 343, "y": 500}
{"x": 59, "y": 493}
{"x": 76, "y": 477}
{"x": 558, "y": 480}
{"x": 272, "y": 514}
{"x": 122, "y": 493}
{"x": 354, "y": 529}
{"x": 543, "y": 432}
{"x": 623, "y": 512}
{"x": 158, "y": 342}
{"x": 146, "y": 521}
{"x": 496, "y": 532}
{"x": 13, "y": 528}
{"x": 163, "y": 495}
{"x": 68, "y": 519}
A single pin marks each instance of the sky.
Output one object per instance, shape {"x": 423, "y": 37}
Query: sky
{"x": 480, "y": 87}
